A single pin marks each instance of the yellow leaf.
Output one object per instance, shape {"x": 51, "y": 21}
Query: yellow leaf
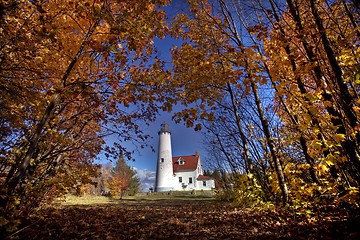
{"x": 330, "y": 163}
{"x": 339, "y": 137}
{"x": 356, "y": 109}
{"x": 323, "y": 168}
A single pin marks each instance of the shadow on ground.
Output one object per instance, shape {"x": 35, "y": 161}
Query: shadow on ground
{"x": 178, "y": 218}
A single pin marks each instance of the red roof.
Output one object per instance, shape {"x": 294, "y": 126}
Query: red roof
{"x": 190, "y": 163}
{"x": 203, "y": 177}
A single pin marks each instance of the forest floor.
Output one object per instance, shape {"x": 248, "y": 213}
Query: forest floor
{"x": 183, "y": 217}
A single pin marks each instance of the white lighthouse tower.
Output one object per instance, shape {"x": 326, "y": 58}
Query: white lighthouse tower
{"x": 164, "y": 171}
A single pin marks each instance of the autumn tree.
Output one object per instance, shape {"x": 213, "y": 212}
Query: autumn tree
{"x": 307, "y": 52}
{"x": 72, "y": 73}
{"x": 122, "y": 180}
{"x": 322, "y": 81}
{"x": 220, "y": 63}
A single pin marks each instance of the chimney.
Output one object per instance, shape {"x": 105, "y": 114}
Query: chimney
{"x": 197, "y": 154}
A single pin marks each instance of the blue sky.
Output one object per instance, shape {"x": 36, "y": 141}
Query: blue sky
{"x": 185, "y": 141}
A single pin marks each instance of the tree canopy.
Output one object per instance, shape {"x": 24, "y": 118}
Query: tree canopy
{"x": 275, "y": 85}
{"x": 72, "y": 73}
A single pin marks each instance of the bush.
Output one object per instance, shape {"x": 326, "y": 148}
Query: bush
{"x": 244, "y": 193}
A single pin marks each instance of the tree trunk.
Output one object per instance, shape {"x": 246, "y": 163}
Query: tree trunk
{"x": 34, "y": 140}
{"x": 346, "y": 100}
{"x": 241, "y": 132}
{"x": 303, "y": 91}
{"x": 348, "y": 146}
{"x": 352, "y": 19}
{"x": 264, "y": 123}
{"x": 271, "y": 144}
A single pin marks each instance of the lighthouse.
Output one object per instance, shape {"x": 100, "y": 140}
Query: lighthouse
{"x": 164, "y": 171}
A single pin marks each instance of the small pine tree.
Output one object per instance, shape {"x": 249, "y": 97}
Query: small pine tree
{"x": 216, "y": 174}
{"x": 219, "y": 181}
{"x": 134, "y": 186}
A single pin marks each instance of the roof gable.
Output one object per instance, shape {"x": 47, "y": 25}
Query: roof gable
{"x": 190, "y": 163}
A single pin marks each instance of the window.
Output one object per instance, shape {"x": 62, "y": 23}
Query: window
{"x": 204, "y": 183}
{"x": 162, "y": 160}
{"x": 180, "y": 179}
{"x": 190, "y": 180}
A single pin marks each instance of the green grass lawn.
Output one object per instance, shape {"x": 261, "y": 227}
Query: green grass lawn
{"x": 70, "y": 199}
{"x": 98, "y": 200}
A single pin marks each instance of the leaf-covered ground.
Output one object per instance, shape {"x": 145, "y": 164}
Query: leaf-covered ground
{"x": 186, "y": 218}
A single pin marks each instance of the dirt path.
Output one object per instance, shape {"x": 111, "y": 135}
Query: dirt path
{"x": 186, "y": 219}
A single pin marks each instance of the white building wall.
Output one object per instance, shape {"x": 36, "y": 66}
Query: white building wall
{"x": 199, "y": 169}
{"x": 210, "y": 184}
{"x": 185, "y": 185}
{"x": 196, "y": 184}
{"x": 164, "y": 171}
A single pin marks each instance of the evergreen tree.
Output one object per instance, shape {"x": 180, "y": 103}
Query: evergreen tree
{"x": 207, "y": 173}
{"x": 134, "y": 186}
